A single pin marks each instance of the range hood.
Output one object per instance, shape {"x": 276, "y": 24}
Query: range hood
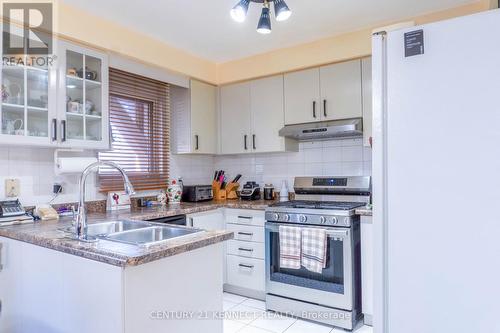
{"x": 333, "y": 129}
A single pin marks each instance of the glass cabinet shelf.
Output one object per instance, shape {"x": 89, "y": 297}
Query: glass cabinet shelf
{"x": 24, "y": 108}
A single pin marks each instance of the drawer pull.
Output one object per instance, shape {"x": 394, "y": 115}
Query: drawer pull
{"x": 245, "y": 217}
{"x": 246, "y": 250}
{"x": 250, "y": 234}
{"x": 246, "y": 266}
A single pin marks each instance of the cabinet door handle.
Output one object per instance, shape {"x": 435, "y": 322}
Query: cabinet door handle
{"x": 324, "y": 108}
{"x": 197, "y": 140}
{"x": 246, "y": 266}
{"x": 63, "y": 130}
{"x": 245, "y": 233}
{"x": 245, "y": 141}
{"x": 253, "y": 142}
{"x": 244, "y": 217}
{"x": 246, "y": 250}
{"x": 314, "y": 109}
{"x": 1, "y": 265}
{"x": 54, "y": 129}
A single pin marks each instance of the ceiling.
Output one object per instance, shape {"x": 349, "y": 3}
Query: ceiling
{"x": 205, "y": 28}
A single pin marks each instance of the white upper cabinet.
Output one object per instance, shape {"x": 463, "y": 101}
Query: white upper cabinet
{"x": 64, "y": 105}
{"x": 203, "y": 117}
{"x": 28, "y": 101}
{"x": 194, "y": 119}
{"x": 327, "y": 93}
{"x": 367, "y": 100}
{"x": 235, "y": 119}
{"x": 83, "y": 111}
{"x": 302, "y": 97}
{"x": 267, "y": 110}
{"x": 341, "y": 96}
{"x": 252, "y": 114}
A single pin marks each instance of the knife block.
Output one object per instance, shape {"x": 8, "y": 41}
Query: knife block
{"x": 231, "y": 191}
{"x": 219, "y": 194}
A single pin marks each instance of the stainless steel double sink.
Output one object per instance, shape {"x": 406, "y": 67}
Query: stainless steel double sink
{"x": 137, "y": 233}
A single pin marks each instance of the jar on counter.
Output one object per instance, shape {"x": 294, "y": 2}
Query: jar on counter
{"x": 269, "y": 192}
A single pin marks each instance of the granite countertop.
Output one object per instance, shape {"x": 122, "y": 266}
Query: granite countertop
{"x": 363, "y": 211}
{"x": 48, "y": 234}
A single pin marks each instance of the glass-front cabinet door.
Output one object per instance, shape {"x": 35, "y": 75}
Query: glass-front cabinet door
{"x": 28, "y": 95}
{"x": 83, "y": 101}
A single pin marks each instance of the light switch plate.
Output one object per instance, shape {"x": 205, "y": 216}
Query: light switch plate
{"x": 12, "y": 187}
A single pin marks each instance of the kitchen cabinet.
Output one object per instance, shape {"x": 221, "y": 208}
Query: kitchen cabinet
{"x": 366, "y": 64}
{"x": 194, "y": 119}
{"x": 245, "y": 265}
{"x": 10, "y": 293}
{"x": 83, "y": 114}
{"x": 326, "y": 93}
{"x": 341, "y": 96}
{"x": 235, "y": 130}
{"x": 38, "y": 294}
{"x": 302, "y": 96}
{"x": 65, "y": 105}
{"x": 211, "y": 220}
{"x": 28, "y": 102}
{"x": 367, "y": 268}
{"x": 267, "y": 113}
{"x": 252, "y": 113}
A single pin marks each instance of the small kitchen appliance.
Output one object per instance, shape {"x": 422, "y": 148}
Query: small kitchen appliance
{"x": 251, "y": 191}
{"x": 197, "y": 193}
{"x": 327, "y": 203}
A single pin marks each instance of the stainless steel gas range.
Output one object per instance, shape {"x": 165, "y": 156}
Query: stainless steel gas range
{"x": 334, "y": 295}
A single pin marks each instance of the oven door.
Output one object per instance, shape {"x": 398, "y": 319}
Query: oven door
{"x": 333, "y": 287}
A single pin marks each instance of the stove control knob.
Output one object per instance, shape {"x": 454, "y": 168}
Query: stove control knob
{"x": 302, "y": 218}
{"x": 335, "y": 220}
{"x": 322, "y": 220}
{"x": 346, "y": 221}
{"x": 286, "y": 217}
{"x": 276, "y": 216}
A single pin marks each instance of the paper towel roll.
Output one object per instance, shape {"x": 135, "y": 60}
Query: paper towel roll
{"x": 73, "y": 164}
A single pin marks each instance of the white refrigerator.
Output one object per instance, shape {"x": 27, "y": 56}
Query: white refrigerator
{"x": 436, "y": 177}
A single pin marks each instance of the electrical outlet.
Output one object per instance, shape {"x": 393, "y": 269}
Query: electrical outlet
{"x": 12, "y": 187}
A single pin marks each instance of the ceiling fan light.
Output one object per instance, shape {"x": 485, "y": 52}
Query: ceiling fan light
{"x": 264, "y": 26}
{"x": 281, "y": 10}
{"x": 239, "y": 11}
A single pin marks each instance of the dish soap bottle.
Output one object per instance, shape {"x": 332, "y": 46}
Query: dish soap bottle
{"x": 284, "y": 191}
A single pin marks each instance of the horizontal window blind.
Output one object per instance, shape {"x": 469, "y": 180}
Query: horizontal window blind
{"x": 140, "y": 125}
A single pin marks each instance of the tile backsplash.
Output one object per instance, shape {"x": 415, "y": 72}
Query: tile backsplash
{"x": 345, "y": 157}
{"x": 34, "y": 167}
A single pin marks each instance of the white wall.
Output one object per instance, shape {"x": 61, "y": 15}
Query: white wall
{"x": 345, "y": 157}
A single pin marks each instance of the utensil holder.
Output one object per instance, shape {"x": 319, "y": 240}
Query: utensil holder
{"x": 231, "y": 191}
{"x": 219, "y": 194}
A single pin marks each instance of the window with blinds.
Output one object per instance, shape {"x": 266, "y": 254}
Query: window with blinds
{"x": 139, "y": 110}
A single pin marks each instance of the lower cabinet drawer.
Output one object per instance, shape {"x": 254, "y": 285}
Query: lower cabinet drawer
{"x": 248, "y": 233}
{"x": 246, "y": 272}
{"x": 245, "y": 249}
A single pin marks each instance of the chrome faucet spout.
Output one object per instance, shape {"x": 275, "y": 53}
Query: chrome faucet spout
{"x": 81, "y": 218}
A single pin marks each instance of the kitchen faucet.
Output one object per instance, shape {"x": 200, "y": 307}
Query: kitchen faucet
{"x": 81, "y": 218}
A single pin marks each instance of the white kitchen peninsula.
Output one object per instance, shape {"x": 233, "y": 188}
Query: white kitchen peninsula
{"x": 52, "y": 284}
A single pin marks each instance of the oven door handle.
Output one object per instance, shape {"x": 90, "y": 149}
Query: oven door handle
{"x": 274, "y": 227}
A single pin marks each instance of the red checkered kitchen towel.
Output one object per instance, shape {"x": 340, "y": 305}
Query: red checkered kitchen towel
{"x": 290, "y": 247}
{"x": 314, "y": 243}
